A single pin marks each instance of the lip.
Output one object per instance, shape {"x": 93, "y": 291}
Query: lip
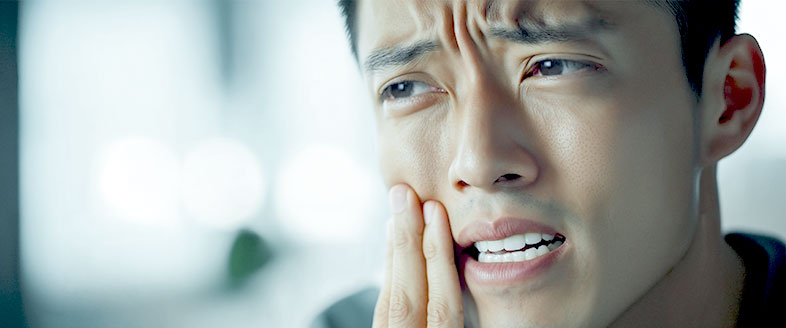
{"x": 502, "y": 274}
{"x": 507, "y": 273}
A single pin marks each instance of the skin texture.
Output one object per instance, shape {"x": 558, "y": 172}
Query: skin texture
{"x": 615, "y": 153}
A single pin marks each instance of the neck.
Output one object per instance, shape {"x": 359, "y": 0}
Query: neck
{"x": 704, "y": 288}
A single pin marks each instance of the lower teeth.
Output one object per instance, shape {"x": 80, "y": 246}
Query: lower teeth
{"x": 518, "y": 256}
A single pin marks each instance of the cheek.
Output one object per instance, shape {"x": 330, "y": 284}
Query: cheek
{"x": 654, "y": 165}
{"x": 647, "y": 205}
{"x": 624, "y": 165}
{"x": 649, "y": 188}
{"x": 412, "y": 152}
{"x": 577, "y": 150}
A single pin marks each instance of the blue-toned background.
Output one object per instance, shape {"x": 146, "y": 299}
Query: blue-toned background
{"x": 212, "y": 163}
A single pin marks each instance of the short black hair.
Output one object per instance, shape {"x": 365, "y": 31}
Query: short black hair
{"x": 700, "y": 24}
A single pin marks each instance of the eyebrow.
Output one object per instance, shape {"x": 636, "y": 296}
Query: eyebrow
{"x": 540, "y": 34}
{"x": 383, "y": 58}
{"x": 533, "y": 32}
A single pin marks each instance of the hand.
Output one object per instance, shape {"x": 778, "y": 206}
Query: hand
{"x": 421, "y": 287}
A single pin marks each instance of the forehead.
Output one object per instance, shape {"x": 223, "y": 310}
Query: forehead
{"x": 386, "y": 23}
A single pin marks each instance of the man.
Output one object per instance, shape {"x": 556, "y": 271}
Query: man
{"x": 553, "y": 163}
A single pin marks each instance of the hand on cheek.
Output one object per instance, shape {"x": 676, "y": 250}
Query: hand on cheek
{"x": 421, "y": 287}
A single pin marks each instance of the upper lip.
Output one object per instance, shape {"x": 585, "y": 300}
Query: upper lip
{"x": 500, "y": 229}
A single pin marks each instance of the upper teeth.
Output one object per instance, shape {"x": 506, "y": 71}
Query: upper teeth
{"x": 513, "y": 243}
{"x": 518, "y": 248}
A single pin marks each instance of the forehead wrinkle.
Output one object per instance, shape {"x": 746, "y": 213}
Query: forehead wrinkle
{"x": 408, "y": 36}
{"x": 416, "y": 21}
{"x": 528, "y": 23}
{"x": 532, "y": 14}
{"x": 477, "y": 22}
{"x": 417, "y": 9}
{"x": 447, "y": 31}
{"x": 505, "y": 11}
{"x": 395, "y": 22}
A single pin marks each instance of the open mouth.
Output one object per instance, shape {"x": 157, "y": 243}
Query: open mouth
{"x": 516, "y": 248}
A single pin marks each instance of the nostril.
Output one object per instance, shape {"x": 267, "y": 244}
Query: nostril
{"x": 508, "y": 177}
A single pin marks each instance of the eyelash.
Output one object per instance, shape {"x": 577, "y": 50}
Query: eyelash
{"x": 389, "y": 89}
{"x": 582, "y": 65}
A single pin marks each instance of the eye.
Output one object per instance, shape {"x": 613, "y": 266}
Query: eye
{"x": 405, "y": 89}
{"x": 557, "y": 67}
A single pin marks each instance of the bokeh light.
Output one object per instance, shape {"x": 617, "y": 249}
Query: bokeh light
{"x": 138, "y": 179}
{"x": 323, "y": 195}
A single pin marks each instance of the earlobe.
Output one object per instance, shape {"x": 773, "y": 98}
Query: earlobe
{"x": 727, "y": 123}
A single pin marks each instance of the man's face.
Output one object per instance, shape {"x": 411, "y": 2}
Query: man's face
{"x": 583, "y": 124}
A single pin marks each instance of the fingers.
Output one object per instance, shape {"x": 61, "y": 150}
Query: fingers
{"x": 444, "y": 307}
{"x": 381, "y": 308}
{"x": 421, "y": 285}
{"x": 408, "y": 279}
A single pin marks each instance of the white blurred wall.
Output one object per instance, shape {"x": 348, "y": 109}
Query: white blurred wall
{"x": 132, "y": 143}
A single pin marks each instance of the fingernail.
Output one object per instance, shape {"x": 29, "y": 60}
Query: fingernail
{"x": 398, "y": 199}
{"x": 428, "y": 211}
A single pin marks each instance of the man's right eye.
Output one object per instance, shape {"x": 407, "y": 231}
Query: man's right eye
{"x": 405, "y": 89}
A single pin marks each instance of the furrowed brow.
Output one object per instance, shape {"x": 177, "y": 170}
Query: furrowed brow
{"x": 536, "y": 36}
{"x": 384, "y": 58}
{"x": 533, "y": 32}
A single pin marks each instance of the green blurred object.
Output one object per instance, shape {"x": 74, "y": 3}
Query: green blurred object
{"x": 248, "y": 255}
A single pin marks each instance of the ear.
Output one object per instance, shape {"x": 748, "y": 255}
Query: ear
{"x": 732, "y": 97}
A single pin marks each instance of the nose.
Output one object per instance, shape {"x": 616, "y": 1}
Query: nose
{"x": 493, "y": 150}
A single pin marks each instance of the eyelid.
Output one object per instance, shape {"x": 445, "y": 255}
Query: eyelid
{"x": 530, "y": 68}
{"x": 412, "y": 76}
{"x": 386, "y": 87}
{"x": 407, "y": 105}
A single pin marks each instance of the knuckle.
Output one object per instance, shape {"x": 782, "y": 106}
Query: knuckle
{"x": 400, "y": 308}
{"x": 401, "y": 239}
{"x": 437, "y": 313}
{"x": 430, "y": 251}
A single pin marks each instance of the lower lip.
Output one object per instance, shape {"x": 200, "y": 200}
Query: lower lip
{"x": 507, "y": 273}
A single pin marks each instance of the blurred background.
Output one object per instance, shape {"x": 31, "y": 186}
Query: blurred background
{"x": 212, "y": 163}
